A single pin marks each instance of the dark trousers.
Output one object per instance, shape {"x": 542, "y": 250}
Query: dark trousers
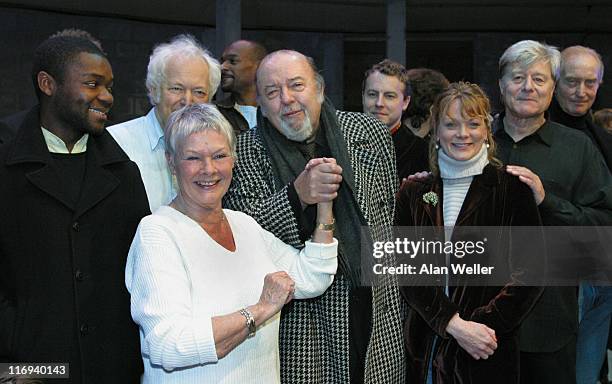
{"x": 557, "y": 367}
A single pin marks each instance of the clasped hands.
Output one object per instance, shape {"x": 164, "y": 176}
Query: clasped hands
{"x": 319, "y": 181}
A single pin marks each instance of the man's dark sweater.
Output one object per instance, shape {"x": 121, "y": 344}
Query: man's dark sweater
{"x": 600, "y": 137}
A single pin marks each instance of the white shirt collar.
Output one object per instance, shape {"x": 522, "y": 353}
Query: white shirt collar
{"x": 57, "y": 145}
{"x": 155, "y": 135}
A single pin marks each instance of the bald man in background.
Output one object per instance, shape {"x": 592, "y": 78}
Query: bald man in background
{"x": 581, "y": 75}
{"x": 239, "y": 63}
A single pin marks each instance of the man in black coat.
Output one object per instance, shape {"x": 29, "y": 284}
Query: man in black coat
{"x": 551, "y": 159}
{"x": 70, "y": 204}
{"x": 580, "y": 77}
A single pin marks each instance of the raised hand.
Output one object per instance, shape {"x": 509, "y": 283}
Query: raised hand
{"x": 319, "y": 182}
{"x": 277, "y": 291}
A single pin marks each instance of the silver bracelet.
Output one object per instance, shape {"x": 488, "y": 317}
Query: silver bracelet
{"x": 250, "y": 321}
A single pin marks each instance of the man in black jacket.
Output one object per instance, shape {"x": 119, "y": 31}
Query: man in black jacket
{"x": 551, "y": 159}
{"x": 580, "y": 77}
{"x": 71, "y": 202}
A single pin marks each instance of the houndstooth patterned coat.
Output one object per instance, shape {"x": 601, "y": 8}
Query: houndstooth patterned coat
{"x": 314, "y": 333}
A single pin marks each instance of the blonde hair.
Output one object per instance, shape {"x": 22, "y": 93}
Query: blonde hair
{"x": 474, "y": 103}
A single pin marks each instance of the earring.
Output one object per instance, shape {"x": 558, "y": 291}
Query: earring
{"x": 487, "y": 144}
{"x": 438, "y": 144}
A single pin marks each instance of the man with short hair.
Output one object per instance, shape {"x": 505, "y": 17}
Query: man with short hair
{"x": 352, "y": 333}
{"x": 581, "y": 75}
{"x": 551, "y": 159}
{"x": 71, "y": 202}
{"x": 12, "y": 122}
{"x": 238, "y": 66}
{"x": 79, "y": 33}
{"x": 179, "y": 73}
{"x": 386, "y": 95}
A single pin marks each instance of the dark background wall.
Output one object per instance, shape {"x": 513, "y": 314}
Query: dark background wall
{"x": 469, "y": 57}
{"x": 342, "y": 56}
{"x": 128, "y": 44}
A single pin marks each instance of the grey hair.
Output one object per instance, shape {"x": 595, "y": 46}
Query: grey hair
{"x": 579, "y": 49}
{"x": 526, "y": 52}
{"x": 196, "y": 118}
{"x": 180, "y": 46}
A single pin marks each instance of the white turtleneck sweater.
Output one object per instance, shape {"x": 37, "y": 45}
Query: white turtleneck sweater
{"x": 456, "y": 179}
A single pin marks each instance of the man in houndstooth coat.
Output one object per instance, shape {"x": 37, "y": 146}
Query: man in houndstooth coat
{"x": 352, "y": 333}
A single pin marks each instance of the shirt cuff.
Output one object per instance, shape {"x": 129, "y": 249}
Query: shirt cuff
{"x": 322, "y": 250}
{"x": 204, "y": 337}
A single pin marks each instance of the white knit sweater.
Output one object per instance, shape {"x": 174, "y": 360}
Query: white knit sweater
{"x": 457, "y": 177}
{"x": 179, "y": 278}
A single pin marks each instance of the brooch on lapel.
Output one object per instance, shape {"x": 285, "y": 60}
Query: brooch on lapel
{"x": 431, "y": 198}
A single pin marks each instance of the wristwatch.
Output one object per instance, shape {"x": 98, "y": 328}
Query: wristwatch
{"x": 250, "y": 321}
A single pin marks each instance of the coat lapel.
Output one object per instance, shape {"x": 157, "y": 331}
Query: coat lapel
{"x": 343, "y": 151}
{"x": 357, "y": 150}
{"x": 98, "y": 181}
{"x": 29, "y": 147}
{"x": 479, "y": 192}
{"x": 48, "y": 180}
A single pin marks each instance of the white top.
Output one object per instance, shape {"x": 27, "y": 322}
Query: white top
{"x": 179, "y": 278}
{"x": 457, "y": 177}
{"x": 142, "y": 139}
{"x": 249, "y": 113}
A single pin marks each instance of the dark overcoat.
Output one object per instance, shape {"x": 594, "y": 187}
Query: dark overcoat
{"x": 62, "y": 265}
{"x": 494, "y": 198}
